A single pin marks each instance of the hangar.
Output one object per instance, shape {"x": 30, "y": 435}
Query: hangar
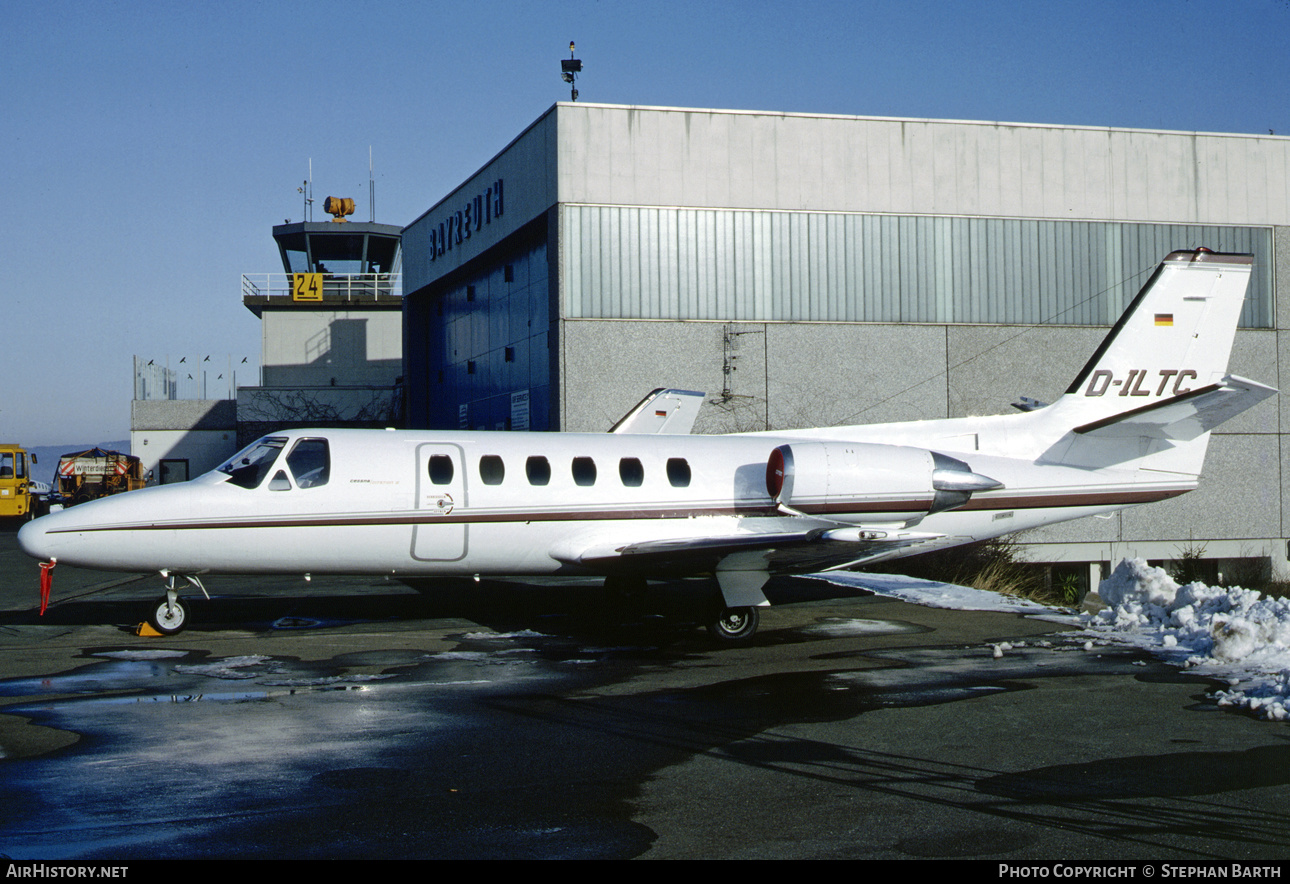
{"x": 814, "y": 270}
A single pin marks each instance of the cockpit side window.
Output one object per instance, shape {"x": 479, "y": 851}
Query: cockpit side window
{"x": 310, "y": 463}
{"x": 249, "y": 466}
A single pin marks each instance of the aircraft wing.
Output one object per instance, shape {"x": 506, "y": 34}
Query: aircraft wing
{"x": 664, "y": 412}
{"x": 818, "y": 549}
{"x": 1184, "y": 417}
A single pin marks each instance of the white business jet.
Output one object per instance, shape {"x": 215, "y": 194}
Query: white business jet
{"x": 651, "y": 501}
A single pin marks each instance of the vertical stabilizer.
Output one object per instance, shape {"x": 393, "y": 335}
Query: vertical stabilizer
{"x": 1175, "y": 337}
{"x": 1164, "y": 359}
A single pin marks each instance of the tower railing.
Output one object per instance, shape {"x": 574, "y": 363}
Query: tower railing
{"x": 345, "y": 287}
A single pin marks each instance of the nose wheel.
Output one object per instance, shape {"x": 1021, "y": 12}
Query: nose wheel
{"x": 169, "y": 615}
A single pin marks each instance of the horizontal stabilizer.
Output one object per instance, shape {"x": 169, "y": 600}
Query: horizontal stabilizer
{"x": 1184, "y": 417}
{"x": 662, "y": 412}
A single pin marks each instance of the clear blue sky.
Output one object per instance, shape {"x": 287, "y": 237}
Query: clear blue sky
{"x": 147, "y": 148}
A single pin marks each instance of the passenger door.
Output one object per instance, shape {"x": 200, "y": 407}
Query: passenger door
{"x": 439, "y": 534}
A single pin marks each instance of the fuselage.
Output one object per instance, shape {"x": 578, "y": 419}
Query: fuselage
{"x": 426, "y": 503}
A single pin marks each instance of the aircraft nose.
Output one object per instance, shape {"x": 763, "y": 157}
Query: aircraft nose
{"x": 34, "y": 539}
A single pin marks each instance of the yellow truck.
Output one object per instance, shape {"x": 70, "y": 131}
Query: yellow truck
{"x": 21, "y": 496}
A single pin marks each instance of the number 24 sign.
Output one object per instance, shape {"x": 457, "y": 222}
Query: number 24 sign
{"x": 306, "y": 286}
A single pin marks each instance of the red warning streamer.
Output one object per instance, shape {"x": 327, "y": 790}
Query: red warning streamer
{"x": 46, "y": 583}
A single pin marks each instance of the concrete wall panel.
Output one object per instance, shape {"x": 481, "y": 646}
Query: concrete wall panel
{"x": 738, "y": 159}
{"x": 992, "y": 366}
{"x": 322, "y": 347}
{"x": 826, "y": 374}
{"x": 1254, "y": 356}
{"x": 1238, "y": 497}
{"x": 607, "y": 367}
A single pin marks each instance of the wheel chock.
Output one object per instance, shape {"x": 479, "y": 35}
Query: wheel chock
{"x": 145, "y": 629}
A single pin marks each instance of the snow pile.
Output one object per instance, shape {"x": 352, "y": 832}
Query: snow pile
{"x": 1230, "y": 633}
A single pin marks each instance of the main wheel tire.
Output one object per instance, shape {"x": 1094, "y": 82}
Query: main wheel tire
{"x": 734, "y": 625}
{"x": 168, "y": 619}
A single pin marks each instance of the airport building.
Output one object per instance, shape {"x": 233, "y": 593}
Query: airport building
{"x": 809, "y": 270}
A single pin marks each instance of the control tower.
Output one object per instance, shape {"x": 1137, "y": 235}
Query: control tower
{"x": 332, "y": 328}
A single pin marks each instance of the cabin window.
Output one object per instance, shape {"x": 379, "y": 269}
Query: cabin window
{"x": 6, "y": 465}
{"x": 248, "y": 467}
{"x": 584, "y": 471}
{"x": 310, "y": 463}
{"x": 538, "y": 470}
{"x": 491, "y": 469}
{"x": 280, "y": 482}
{"x": 678, "y": 472}
{"x": 631, "y": 472}
{"x": 441, "y": 471}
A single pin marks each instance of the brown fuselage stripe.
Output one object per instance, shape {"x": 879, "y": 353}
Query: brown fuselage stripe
{"x": 426, "y": 517}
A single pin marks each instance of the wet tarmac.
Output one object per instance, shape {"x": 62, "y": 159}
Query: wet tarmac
{"x": 357, "y": 718}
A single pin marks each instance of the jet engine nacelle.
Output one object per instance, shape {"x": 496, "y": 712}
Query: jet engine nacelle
{"x": 861, "y": 481}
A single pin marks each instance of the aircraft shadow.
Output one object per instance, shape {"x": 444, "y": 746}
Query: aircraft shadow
{"x": 579, "y": 607}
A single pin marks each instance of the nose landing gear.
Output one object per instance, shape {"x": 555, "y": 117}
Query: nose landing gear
{"x": 169, "y": 614}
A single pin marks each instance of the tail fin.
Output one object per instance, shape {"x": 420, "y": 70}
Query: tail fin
{"x": 1176, "y": 335}
{"x": 666, "y": 412}
{"x": 1160, "y": 376}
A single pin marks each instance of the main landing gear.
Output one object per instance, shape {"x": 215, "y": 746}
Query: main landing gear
{"x": 169, "y": 615}
{"x": 728, "y": 625}
{"x": 734, "y": 625}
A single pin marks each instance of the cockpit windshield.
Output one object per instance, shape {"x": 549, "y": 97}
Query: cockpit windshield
{"x": 249, "y": 466}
